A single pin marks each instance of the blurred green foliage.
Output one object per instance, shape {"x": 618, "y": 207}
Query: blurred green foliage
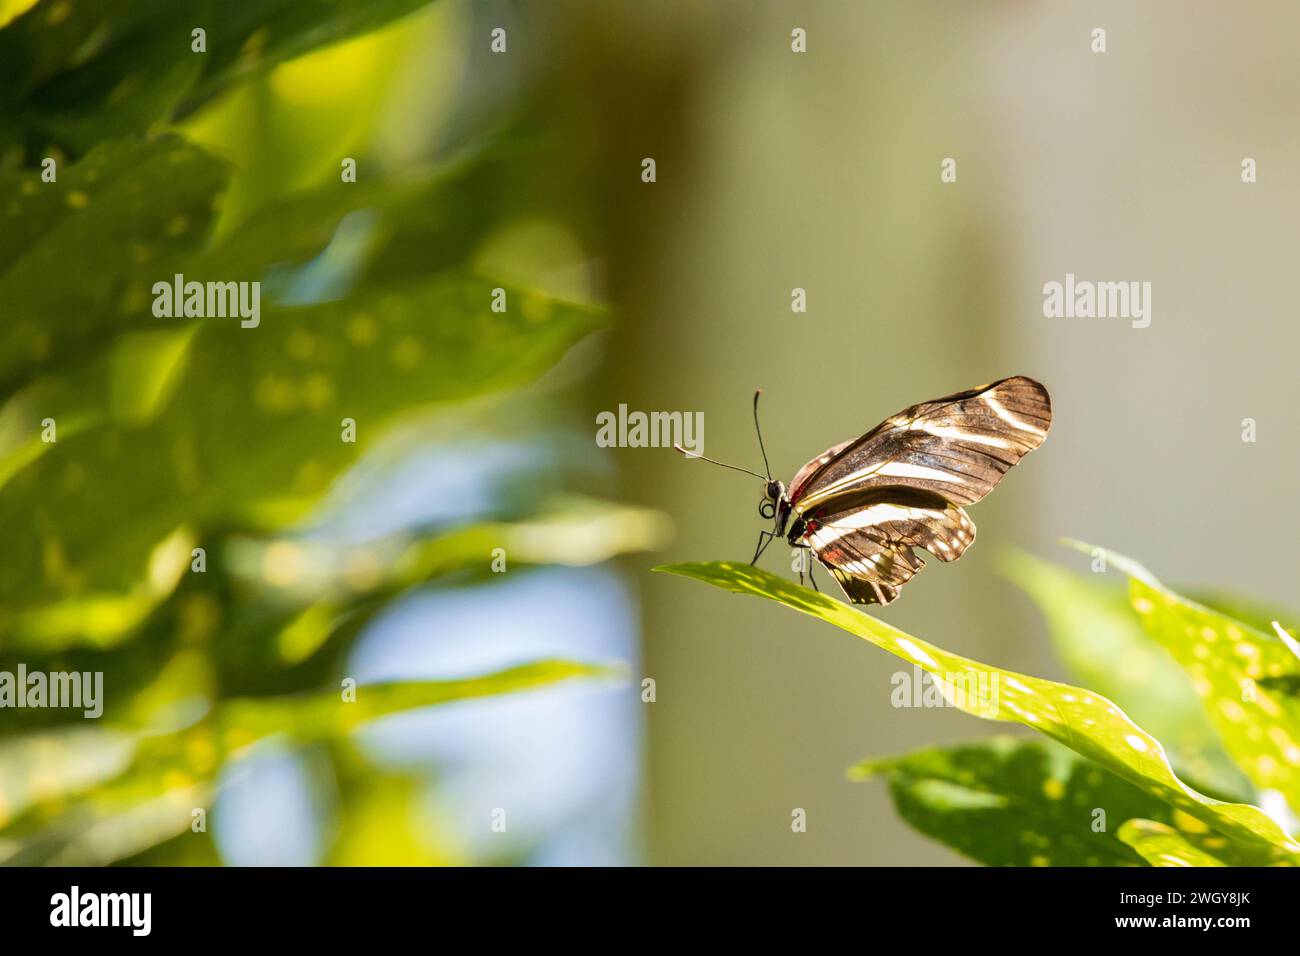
{"x": 74, "y": 73}
{"x": 180, "y": 434}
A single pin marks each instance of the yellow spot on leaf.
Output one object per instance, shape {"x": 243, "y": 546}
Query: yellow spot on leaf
{"x": 318, "y": 391}
{"x": 407, "y": 354}
{"x": 362, "y": 329}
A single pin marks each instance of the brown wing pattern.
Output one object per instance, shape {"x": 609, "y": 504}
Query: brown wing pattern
{"x": 869, "y": 549}
{"x": 957, "y": 447}
{"x": 869, "y": 571}
{"x": 869, "y": 502}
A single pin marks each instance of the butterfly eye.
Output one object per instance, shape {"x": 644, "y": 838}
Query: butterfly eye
{"x": 767, "y": 508}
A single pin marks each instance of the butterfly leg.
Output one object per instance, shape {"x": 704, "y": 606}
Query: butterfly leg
{"x": 811, "y": 580}
{"x": 764, "y": 539}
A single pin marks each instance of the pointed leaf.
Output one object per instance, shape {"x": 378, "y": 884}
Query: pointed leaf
{"x": 1012, "y": 802}
{"x": 78, "y": 256}
{"x": 256, "y": 429}
{"x": 1163, "y": 845}
{"x": 1103, "y": 645}
{"x": 1238, "y": 672}
{"x": 1087, "y": 723}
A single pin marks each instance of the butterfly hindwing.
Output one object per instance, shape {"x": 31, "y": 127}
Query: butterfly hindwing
{"x": 861, "y": 590}
{"x": 957, "y": 447}
{"x": 869, "y": 570}
{"x": 869, "y": 549}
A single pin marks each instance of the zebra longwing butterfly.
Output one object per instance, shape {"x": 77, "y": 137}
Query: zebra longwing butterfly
{"x": 862, "y": 506}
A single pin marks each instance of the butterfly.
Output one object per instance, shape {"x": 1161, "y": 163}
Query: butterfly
{"x": 862, "y": 506}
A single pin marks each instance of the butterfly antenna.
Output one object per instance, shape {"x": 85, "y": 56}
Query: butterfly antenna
{"x": 766, "y": 466}
{"x": 713, "y": 461}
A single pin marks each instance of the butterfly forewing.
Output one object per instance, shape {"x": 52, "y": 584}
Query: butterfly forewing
{"x": 867, "y": 503}
{"x": 958, "y": 447}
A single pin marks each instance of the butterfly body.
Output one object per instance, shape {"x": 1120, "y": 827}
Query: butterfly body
{"x": 865, "y": 504}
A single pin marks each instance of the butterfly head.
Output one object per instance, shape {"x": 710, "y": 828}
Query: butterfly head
{"x": 773, "y": 494}
{"x": 775, "y": 504}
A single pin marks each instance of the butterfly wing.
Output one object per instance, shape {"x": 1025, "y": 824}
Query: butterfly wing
{"x": 867, "y": 503}
{"x": 957, "y": 447}
{"x": 869, "y": 549}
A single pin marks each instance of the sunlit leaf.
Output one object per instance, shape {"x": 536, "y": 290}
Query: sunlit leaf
{"x": 326, "y": 715}
{"x": 1103, "y": 645}
{"x": 569, "y": 531}
{"x": 1288, "y": 684}
{"x": 385, "y": 819}
{"x": 1161, "y": 844}
{"x": 1258, "y": 614}
{"x": 1228, "y": 662}
{"x": 1085, "y": 722}
{"x": 49, "y": 766}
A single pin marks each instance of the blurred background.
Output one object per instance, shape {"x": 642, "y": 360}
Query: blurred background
{"x": 522, "y": 170}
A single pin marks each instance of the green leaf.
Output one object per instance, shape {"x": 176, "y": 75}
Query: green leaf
{"x": 282, "y": 634}
{"x": 1087, "y": 723}
{"x": 421, "y": 224}
{"x": 1288, "y": 684}
{"x": 1228, "y": 662}
{"x": 1012, "y": 802}
{"x": 326, "y": 715}
{"x": 1103, "y": 645}
{"x": 385, "y": 819}
{"x": 86, "y": 354}
{"x": 1163, "y": 845}
{"x": 570, "y": 530}
{"x": 253, "y": 432}
{"x": 79, "y": 256}
{"x": 73, "y": 72}
{"x": 47, "y": 767}
{"x": 1260, "y": 615}
{"x": 169, "y": 774}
